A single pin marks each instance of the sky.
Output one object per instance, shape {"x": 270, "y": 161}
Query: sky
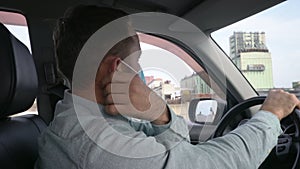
{"x": 281, "y": 25}
{"x": 174, "y": 72}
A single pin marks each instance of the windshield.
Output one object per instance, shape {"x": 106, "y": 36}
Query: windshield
{"x": 265, "y": 47}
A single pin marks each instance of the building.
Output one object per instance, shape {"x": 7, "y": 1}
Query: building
{"x": 165, "y": 89}
{"x": 296, "y": 85}
{"x": 149, "y": 79}
{"x": 257, "y": 68}
{"x": 195, "y": 85}
{"x": 154, "y": 83}
{"x": 250, "y": 54}
{"x": 246, "y": 40}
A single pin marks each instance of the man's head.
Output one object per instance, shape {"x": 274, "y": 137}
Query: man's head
{"x": 77, "y": 26}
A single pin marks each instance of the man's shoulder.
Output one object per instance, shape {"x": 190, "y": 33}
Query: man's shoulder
{"x": 65, "y": 124}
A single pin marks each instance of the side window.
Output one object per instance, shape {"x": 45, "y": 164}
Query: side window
{"x": 17, "y": 25}
{"x": 265, "y": 47}
{"x": 176, "y": 77}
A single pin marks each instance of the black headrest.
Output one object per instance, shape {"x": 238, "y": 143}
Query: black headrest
{"x": 18, "y": 77}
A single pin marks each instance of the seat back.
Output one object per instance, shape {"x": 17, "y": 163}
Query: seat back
{"x": 18, "y": 89}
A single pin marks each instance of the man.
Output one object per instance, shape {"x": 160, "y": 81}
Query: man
{"x": 98, "y": 132}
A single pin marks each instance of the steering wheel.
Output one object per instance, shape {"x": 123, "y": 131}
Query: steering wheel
{"x": 288, "y": 146}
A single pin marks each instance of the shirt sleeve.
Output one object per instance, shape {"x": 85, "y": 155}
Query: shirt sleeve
{"x": 245, "y": 147}
{"x": 176, "y": 126}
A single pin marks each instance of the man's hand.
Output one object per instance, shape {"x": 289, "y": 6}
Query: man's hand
{"x": 126, "y": 94}
{"x": 280, "y": 103}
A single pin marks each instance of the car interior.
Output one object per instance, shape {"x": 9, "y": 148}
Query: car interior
{"x": 30, "y": 74}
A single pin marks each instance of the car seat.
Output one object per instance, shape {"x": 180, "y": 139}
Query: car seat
{"x": 18, "y": 90}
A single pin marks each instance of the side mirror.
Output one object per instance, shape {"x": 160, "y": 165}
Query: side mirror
{"x": 205, "y": 110}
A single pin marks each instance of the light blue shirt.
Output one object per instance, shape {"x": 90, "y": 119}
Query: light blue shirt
{"x": 83, "y": 136}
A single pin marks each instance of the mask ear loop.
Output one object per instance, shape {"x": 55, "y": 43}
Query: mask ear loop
{"x": 140, "y": 73}
{"x": 131, "y": 68}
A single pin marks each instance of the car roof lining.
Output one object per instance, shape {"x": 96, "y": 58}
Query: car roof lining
{"x": 208, "y": 15}
{"x": 213, "y": 15}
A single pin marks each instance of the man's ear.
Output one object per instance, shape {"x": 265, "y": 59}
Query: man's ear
{"x": 114, "y": 63}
